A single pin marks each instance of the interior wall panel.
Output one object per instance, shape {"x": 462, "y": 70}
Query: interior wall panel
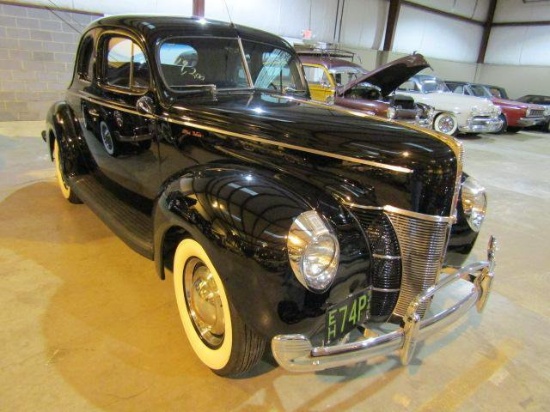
{"x": 517, "y": 82}
{"x": 444, "y": 69}
{"x": 246, "y": 12}
{"x": 471, "y": 9}
{"x": 516, "y": 10}
{"x": 522, "y": 45}
{"x": 286, "y": 18}
{"x": 364, "y": 23}
{"x": 436, "y": 36}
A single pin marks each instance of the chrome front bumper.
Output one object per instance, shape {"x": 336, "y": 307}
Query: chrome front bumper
{"x": 295, "y": 353}
{"x": 482, "y": 125}
{"x": 530, "y": 121}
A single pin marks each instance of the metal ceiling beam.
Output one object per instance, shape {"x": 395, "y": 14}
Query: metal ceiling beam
{"x": 442, "y": 13}
{"x": 486, "y": 32}
{"x": 522, "y": 23}
{"x": 391, "y": 24}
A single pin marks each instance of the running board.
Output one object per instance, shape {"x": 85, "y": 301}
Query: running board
{"x": 133, "y": 226}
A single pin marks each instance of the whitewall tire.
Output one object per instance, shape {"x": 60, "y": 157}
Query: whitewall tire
{"x": 446, "y": 123}
{"x": 66, "y": 190}
{"x": 218, "y": 336}
{"x": 108, "y": 140}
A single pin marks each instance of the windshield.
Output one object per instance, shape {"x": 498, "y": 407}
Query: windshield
{"x": 480, "y": 91}
{"x": 432, "y": 85}
{"x": 204, "y": 62}
{"x": 344, "y": 75}
{"x": 273, "y": 69}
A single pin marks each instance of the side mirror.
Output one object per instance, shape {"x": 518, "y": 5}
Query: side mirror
{"x": 145, "y": 106}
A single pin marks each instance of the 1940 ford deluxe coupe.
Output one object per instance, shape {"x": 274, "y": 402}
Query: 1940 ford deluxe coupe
{"x": 280, "y": 220}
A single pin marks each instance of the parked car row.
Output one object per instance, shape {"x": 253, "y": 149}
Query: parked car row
{"x": 333, "y": 77}
{"x": 397, "y": 92}
{"x": 454, "y": 113}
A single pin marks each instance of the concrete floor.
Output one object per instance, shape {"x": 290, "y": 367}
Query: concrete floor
{"x": 86, "y": 324}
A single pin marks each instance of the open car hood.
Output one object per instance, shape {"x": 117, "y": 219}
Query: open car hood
{"x": 391, "y": 75}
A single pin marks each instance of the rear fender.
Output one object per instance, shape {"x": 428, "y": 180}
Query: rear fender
{"x": 63, "y": 126}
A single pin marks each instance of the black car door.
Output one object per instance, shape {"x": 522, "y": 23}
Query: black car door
{"x": 122, "y": 138}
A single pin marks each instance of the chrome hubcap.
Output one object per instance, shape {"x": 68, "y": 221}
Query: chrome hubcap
{"x": 445, "y": 124}
{"x": 106, "y": 137}
{"x": 203, "y": 302}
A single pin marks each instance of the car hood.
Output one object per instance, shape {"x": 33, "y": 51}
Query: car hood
{"x": 278, "y": 131}
{"x": 517, "y": 104}
{"x": 389, "y": 76}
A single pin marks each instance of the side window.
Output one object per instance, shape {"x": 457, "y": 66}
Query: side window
{"x": 85, "y": 64}
{"x": 316, "y": 75}
{"x": 275, "y": 71}
{"x": 459, "y": 89}
{"x": 408, "y": 86}
{"x": 495, "y": 92}
{"x": 125, "y": 65}
{"x": 194, "y": 62}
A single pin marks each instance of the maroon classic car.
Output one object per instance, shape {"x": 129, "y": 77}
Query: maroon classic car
{"x": 335, "y": 79}
{"x": 516, "y": 115}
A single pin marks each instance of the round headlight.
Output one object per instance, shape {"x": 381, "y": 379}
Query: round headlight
{"x": 391, "y": 113}
{"x": 474, "y": 203}
{"x": 313, "y": 251}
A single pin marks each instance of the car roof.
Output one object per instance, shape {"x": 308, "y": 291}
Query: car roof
{"x": 152, "y": 27}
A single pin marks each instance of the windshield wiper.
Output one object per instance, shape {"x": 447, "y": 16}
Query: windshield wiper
{"x": 292, "y": 90}
{"x": 195, "y": 88}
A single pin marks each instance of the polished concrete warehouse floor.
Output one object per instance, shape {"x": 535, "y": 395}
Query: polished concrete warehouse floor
{"x": 87, "y": 325}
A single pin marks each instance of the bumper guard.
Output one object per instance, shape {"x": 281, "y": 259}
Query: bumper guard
{"x": 482, "y": 125}
{"x": 295, "y": 353}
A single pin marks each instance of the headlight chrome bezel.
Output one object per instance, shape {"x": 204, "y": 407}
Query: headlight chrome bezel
{"x": 313, "y": 251}
{"x": 474, "y": 203}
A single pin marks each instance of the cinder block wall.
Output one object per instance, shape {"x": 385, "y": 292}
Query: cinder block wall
{"x": 37, "y": 51}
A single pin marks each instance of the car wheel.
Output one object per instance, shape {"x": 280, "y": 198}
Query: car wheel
{"x": 546, "y": 127}
{"x": 446, "y": 123}
{"x": 218, "y": 336}
{"x": 108, "y": 140}
{"x": 504, "y": 125}
{"x": 66, "y": 190}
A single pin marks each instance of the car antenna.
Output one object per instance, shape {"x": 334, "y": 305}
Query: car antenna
{"x": 229, "y": 15}
{"x": 68, "y": 23}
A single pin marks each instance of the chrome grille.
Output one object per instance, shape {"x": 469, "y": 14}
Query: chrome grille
{"x": 386, "y": 261}
{"x": 535, "y": 113}
{"x": 422, "y": 241}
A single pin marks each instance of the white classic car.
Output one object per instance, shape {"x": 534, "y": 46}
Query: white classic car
{"x": 453, "y": 113}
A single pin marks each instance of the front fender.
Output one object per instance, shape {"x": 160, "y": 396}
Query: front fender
{"x": 241, "y": 217}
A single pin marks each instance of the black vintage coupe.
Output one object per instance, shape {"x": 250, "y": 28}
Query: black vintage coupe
{"x": 280, "y": 220}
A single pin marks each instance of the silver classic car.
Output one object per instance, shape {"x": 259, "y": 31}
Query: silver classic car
{"x": 454, "y": 113}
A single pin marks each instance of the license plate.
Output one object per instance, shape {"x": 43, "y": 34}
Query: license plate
{"x": 345, "y": 315}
